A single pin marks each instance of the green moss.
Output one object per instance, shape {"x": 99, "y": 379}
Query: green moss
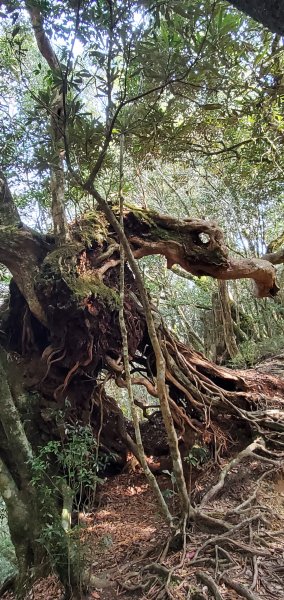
{"x": 164, "y": 234}
{"x": 93, "y": 227}
{"x": 63, "y": 259}
{"x": 89, "y": 285}
{"x": 9, "y": 228}
{"x": 146, "y": 216}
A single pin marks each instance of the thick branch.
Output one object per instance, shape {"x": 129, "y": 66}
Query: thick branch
{"x": 260, "y": 271}
{"x": 12, "y": 425}
{"x": 275, "y": 258}
{"x": 42, "y": 40}
{"x": 8, "y": 211}
{"x": 197, "y": 246}
{"x": 8, "y": 488}
{"x": 22, "y": 251}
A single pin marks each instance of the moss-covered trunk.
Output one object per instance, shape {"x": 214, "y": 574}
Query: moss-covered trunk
{"x": 34, "y": 514}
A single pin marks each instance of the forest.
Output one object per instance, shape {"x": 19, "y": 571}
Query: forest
{"x": 141, "y": 299}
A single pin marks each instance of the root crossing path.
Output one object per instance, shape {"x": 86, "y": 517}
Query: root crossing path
{"x": 130, "y": 552}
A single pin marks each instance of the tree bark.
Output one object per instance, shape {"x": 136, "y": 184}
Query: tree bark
{"x": 225, "y": 346}
{"x": 29, "y": 511}
{"x": 76, "y": 286}
{"x": 268, "y": 12}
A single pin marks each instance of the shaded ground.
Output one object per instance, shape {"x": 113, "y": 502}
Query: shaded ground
{"x": 122, "y": 541}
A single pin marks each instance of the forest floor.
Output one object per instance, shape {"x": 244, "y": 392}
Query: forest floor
{"x": 123, "y": 541}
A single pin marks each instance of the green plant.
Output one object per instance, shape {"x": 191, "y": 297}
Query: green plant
{"x": 197, "y": 456}
{"x": 75, "y": 460}
{"x": 169, "y": 492}
{"x": 67, "y": 469}
{"x": 247, "y": 356}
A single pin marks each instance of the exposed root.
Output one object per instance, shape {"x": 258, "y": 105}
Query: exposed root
{"x": 49, "y": 356}
{"x": 233, "y": 463}
{"x": 209, "y": 581}
{"x": 227, "y": 559}
{"x": 239, "y": 588}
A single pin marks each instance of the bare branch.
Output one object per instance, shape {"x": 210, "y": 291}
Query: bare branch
{"x": 198, "y": 247}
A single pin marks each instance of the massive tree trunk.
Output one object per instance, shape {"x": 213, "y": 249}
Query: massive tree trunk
{"x": 268, "y": 12}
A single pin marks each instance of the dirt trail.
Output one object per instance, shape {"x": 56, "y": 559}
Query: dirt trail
{"x": 121, "y": 542}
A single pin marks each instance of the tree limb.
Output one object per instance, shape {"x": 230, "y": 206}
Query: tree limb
{"x": 275, "y": 258}
{"x": 197, "y": 246}
{"x": 8, "y": 211}
{"x": 42, "y": 40}
{"x": 268, "y": 12}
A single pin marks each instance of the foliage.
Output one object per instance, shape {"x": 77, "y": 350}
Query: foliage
{"x": 69, "y": 468}
{"x": 197, "y": 93}
{"x": 197, "y": 456}
{"x": 73, "y": 460}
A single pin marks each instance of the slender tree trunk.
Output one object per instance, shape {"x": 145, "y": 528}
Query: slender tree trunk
{"x": 225, "y": 346}
{"x": 57, "y": 124}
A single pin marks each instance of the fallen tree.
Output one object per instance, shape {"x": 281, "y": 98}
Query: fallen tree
{"x": 62, "y": 327}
